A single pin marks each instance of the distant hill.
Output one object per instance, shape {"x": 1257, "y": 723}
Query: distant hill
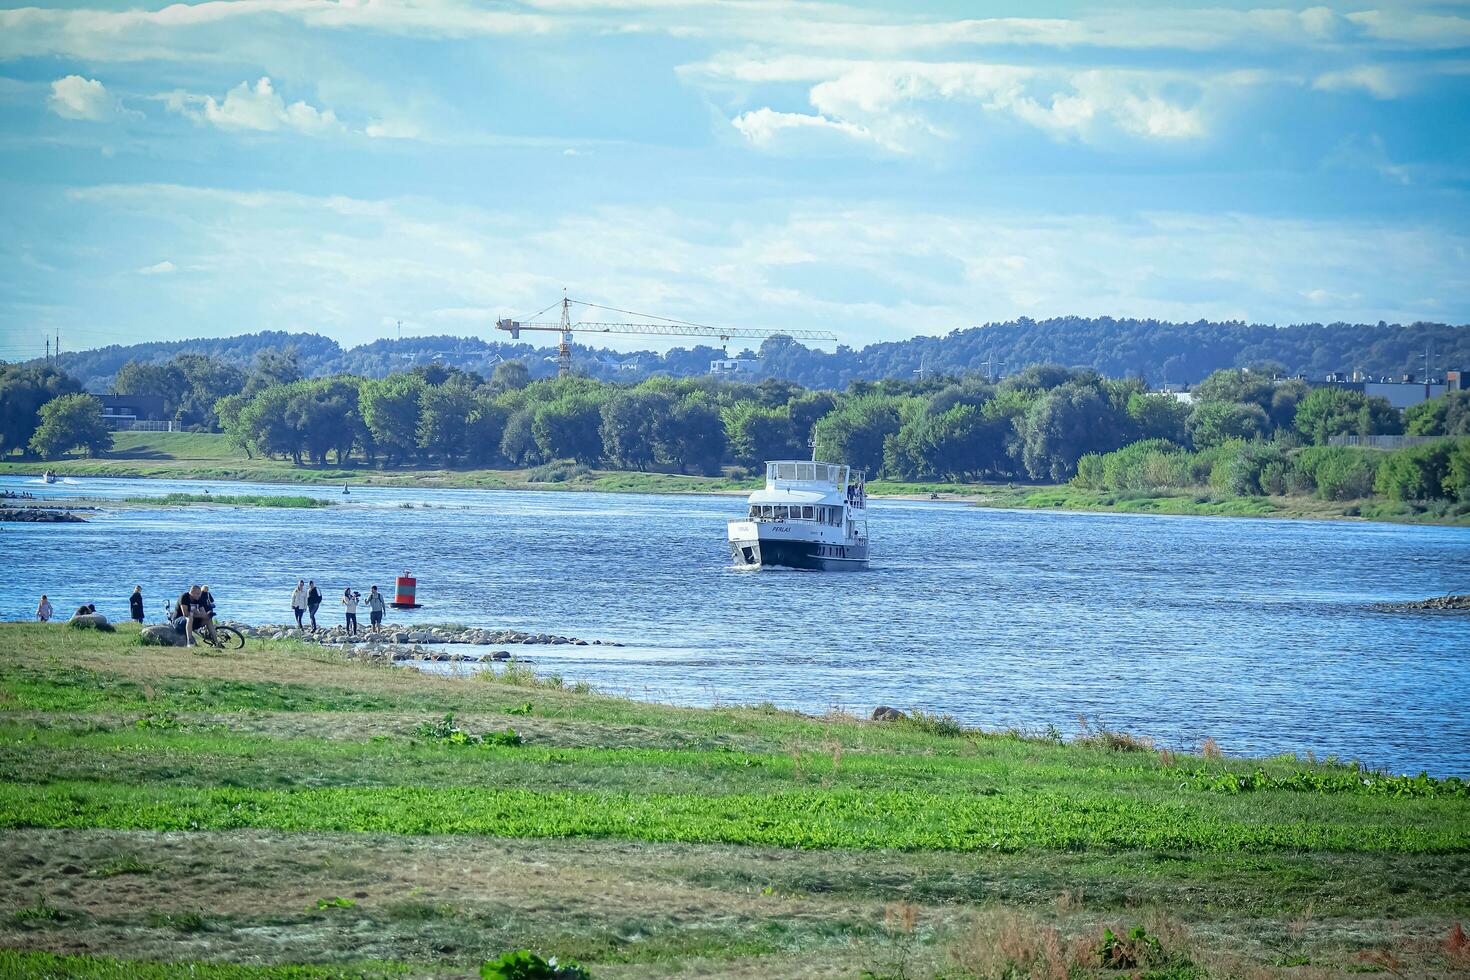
{"x": 1157, "y": 350}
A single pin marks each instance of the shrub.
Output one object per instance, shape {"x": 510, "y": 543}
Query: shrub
{"x": 522, "y": 964}
{"x": 1338, "y": 472}
{"x": 446, "y": 731}
{"x": 1416, "y": 473}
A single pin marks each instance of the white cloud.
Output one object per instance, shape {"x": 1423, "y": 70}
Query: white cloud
{"x": 75, "y": 97}
{"x": 158, "y": 268}
{"x": 271, "y": 259}
{"x": 1376, "y": 80}
{"x": 766, "y": 128}
{"x": 902, "y": 106}
{"x": 393, "y": 129}
{"x": 258, "y": 107}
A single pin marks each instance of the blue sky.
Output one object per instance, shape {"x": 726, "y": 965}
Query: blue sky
{"x": 879, "y": 170}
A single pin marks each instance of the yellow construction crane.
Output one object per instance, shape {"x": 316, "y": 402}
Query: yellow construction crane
{"x": 664, "y": 327}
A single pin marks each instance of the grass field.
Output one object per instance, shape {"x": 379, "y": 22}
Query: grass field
{"x": 282, "y": 812}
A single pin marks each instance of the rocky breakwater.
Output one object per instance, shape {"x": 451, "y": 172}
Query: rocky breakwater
{"x": 1444, "y": 603}
{"x": 398, "y": 643}
{"x": 40, "y": 515}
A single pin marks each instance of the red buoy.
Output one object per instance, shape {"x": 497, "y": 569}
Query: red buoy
{"x": 405, "y": 592}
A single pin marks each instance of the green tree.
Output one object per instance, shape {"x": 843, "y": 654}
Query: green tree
{"x": 1239, "y": 385}
{"x": 326, "y": 416}
{"x": 1159, "y": 417}
{"x": 1416, "y": 473}
{"x": 444, "y": 419}
{"x": 228, "y": 411}
{"x": 1216, "y": 423}
{"x": 1447, "y": 415}
{"x": 266, "y": 423}
{"x": 70, "y": 421}
{"x": 957, "y": 444}
{"x": 1064, "y": 425}
{"x": 510, "y": 376}
{"x": 1457, "y": 471}
{"x": 854, "y": 432}
{"x": 693, "y": 435}
{"x": 806, "y": 410}
{"x": 1328, "y": 412}
{"x": 756, "y": 434}
{"x": 485, "y": 429}
{"x": 23, "y": 390}
{"x": 209, "y": 379}
{"x": 163, "y": 380}
{"x": 518, "y": 442}
{"x": 568, "y": 428}
{"x": 390, "y": 409}
{"x": 630, "y": 421}
{"x": 273, "y": 367}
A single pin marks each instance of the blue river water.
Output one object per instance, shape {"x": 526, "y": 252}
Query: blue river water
{"x": 1257, "y": 633}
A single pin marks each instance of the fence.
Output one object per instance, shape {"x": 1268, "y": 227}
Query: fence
{"x": 1382, "y": 442}
{"x": 117, "y": 424}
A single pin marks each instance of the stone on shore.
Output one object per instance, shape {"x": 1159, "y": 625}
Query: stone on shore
{"x": 884, "y": 713}
{"x": 161, "y": 635}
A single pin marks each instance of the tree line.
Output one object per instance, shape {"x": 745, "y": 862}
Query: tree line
{"x": 1180, "y": 353}
{"x": 1246, "y": 430}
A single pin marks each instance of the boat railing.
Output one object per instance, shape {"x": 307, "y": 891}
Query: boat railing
{"x": 809, "y": 472}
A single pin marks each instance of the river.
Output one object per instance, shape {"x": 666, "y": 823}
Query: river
{"x": 1254, "y": 632}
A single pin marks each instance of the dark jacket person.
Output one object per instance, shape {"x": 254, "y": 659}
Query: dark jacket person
{"x": 135, "y": 603}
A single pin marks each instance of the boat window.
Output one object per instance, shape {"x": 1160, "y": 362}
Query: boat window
{"x": 755, "y": 512}
{"x": 785, "y": 471}
{"x": 805, "y": 471}
{"x": 806, "y": 513}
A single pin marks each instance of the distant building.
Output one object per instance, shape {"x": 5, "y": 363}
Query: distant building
{"x": 123, "y": 412}
{"x": 727, "y": 367}
{"x": 1403, "y": 392}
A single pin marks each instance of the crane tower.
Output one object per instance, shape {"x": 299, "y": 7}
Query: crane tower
{"x": 656, "y": 326}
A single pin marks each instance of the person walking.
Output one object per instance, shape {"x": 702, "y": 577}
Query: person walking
{"x": 349, "y": 603}
{"x": 43, "y": 611}
{"x": 313, "y": 601}
{"x": 135, "y": 604}
{"x": 298, "y": 601}
{"x": 375, "y": 609}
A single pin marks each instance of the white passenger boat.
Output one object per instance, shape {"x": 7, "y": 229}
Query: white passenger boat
{"x": 810, "y": 515}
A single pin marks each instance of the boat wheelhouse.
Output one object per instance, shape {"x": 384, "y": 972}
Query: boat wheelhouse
{"x": 810, "y": 515}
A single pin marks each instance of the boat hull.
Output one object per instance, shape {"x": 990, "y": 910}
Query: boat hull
{"x": 811, "y": 555}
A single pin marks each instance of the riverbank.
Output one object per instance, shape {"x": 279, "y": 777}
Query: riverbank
{"x": 285, "y": 805}
{"x": 205, "y": 456}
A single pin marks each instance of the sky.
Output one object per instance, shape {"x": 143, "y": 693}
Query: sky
{"x": 879, "y": 170}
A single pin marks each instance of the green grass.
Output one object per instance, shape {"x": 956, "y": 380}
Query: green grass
{"x": 242, "y": 500}
{"x": 283, "y": 807}
{"x": 17, "y": 963}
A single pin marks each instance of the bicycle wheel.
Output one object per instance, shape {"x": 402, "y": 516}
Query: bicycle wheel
{"x": 228, "y": 638}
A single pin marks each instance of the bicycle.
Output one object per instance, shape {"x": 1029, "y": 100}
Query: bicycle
{"x": 223, "y": 638}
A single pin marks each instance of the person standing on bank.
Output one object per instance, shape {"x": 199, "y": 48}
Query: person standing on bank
{"x": 135, "y": 604}
{"x": 298, "y": 601}
{"x": 43, "y": 611}
{"x": 375, "y": 609}
{"x": 349, "y": 603}
{"x": 313, "y": 601}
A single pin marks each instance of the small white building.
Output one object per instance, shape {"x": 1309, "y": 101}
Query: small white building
{"x": 727, "y": 367}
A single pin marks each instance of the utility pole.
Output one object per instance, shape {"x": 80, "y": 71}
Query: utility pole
{"x": 400, "y": 331}
{"x": 48, "y": 348}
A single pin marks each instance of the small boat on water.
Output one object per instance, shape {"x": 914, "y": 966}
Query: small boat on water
{"x": 810, "y": 515}
{"x": 48, "y": 477}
